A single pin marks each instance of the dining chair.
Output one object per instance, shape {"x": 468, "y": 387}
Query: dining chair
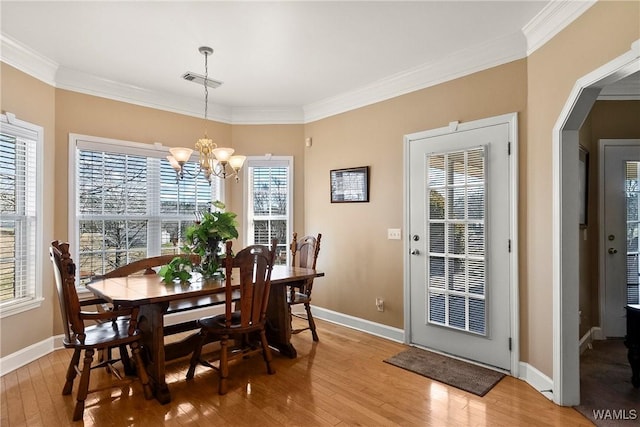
{"x": 304, "y": 253}
{"x": 244, "y": 318}
{"x": 115, "y": 328}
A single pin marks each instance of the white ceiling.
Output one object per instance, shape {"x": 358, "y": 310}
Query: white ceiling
{"x": 292, "y": 61}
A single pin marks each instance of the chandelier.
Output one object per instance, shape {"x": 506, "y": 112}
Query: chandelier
{"x": 213, "y": 160}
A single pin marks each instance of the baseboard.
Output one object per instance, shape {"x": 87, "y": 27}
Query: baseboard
{"x": 377, "y": 329}
{"x": 536, "y": 379}
{"x": 592, "y": 334}
{"x": 26, "y": 355}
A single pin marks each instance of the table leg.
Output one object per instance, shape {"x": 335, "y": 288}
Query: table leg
{"x": 151, "y": 322}
{"x": 634, "y": 360}
{"x": 279, "y": 322}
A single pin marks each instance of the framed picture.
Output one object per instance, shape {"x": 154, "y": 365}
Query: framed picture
{"x": 583, "y": 185}
{"x": 350, "y": 185}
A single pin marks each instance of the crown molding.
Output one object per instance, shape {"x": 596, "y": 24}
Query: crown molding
{"x": 78, "y": 81}
{"x": 27, "y": 60}
{"x": 267, "y": 115}
{"x": 552, "y": 19}
{"x": 555, "y": 16}
{"x": 458, "y": 64}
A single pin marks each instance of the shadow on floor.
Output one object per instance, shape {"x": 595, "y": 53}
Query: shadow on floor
{"x": 606, "y": 392}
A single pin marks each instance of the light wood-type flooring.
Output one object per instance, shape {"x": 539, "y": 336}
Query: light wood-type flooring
{"x": 340, "y": 381}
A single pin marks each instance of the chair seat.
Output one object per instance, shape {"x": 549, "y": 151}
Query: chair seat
{"x": 216, "y": 324}
{"x": 103, "y": 335}
{"x": 298, "y": 298}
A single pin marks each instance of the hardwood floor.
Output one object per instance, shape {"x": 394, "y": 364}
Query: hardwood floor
{"x": 342, "y": 380}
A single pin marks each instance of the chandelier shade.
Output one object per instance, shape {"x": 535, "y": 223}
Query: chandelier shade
{"x": 213, "y": 160}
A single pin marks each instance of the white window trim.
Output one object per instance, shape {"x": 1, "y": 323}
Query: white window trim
{"x": 14, "y": 307}
{"x": 266, "y": 160}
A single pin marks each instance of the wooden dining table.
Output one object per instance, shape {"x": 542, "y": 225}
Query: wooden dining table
{"x": 156, "y": 299}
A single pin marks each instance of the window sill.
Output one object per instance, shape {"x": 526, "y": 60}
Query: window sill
{"x": 12, "y": 309}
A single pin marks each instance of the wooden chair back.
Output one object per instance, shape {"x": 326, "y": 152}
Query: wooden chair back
{"x": 304, "y": 253}
{"x": 65, "y": 272}
{"x": 147, "y": 265}
{"x": 254, "y": 264}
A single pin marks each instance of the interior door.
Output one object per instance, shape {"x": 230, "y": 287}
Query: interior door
{"x": 620, "y": 251}
{"x": 459, "y": 224}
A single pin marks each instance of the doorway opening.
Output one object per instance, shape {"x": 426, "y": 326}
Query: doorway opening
{"x": 566, "y": 354}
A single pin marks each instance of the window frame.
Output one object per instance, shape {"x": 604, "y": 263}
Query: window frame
{"x": 268, "y": 161}
{"x": 156, "y": 149}
{"x": 34, "y": 299}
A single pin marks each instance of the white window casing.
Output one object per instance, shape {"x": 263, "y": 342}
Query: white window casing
{"x": 21, "y": 206}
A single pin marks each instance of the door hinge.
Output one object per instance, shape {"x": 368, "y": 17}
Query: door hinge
{"x": 509, "y": 148}
{"x": 509, "y": 245}
{"x": 509, "y": 343}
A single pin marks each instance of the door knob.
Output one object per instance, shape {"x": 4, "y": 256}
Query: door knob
{"x": 612, "y": 251}
{"x": 415, "y": 252}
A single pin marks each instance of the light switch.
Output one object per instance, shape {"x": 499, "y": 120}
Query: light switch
{"x": 394, "y": 234}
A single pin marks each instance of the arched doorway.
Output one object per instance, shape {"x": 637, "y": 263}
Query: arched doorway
{"x": 566, "y": 382}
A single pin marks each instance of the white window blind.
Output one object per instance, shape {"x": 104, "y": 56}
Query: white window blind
{"x": 269, "y": 212}
{"x": 129, "y": 204}
{"x": 456, "y": 284}
{"x": 632, "y": 190}
{"x": 20, "y": 235}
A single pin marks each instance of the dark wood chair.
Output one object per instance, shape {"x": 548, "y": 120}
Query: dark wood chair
{"x": 304, "y": 253}
{"x": 244, "y": 321}
{"x": 115, "y": 328}
{"x": 147, "y": 265}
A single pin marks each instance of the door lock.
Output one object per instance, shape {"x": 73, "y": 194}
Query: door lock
{"x": 415, "y": 252}
{"x": 612, "y": 251}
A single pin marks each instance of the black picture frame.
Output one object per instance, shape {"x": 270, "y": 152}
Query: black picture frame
{"x": 583, "y": 185}
{"x": 349, "y": 185}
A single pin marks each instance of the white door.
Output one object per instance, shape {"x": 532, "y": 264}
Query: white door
{"x": 459, "y": 226}
{"x": 621, "y": 160}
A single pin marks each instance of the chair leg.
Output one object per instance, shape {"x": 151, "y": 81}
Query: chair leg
{"x": 266, "y": 352}
{"x": 195, "y": 356}
{"x": 129, "y": 369}
{"x": 312, "y": 324}
{"x": 224, "y": 365}
{"x": 83, "y": 387}
{"x": 142, "y": 372}
{"x": 71, "y": 372}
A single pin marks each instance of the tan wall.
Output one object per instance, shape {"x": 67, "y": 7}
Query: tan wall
{"x": 607, "y": 120}
{"x": 359, "y": 262}
{"x": 32, "y": 101}
{"x": 602, "y": 33}
{"x": 587, "y": 274}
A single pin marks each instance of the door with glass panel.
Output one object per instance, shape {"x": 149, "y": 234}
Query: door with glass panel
{"x": 459, "y": 189}
{"x": 620, "y": 248}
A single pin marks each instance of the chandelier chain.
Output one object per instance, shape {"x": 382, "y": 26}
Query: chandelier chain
{"x": 206, "y": 89}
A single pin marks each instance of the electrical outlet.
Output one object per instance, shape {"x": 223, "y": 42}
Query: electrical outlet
{"x": 394, "y": 234}
{"x": 380, "y": 304}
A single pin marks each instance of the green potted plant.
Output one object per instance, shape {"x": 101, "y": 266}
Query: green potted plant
{"x": 205, "y": 238}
